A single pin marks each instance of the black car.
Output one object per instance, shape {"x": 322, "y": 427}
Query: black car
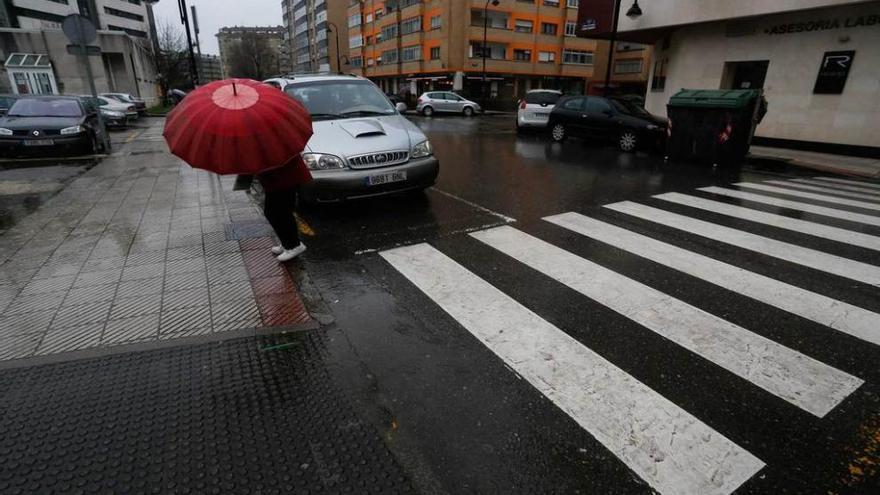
{"x": 607, "y": 119}
{"x": 6, "y": 101}
{"x": 62, "y": 125}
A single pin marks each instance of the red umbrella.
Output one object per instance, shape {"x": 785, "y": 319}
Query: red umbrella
{"x": 238, "y": 126}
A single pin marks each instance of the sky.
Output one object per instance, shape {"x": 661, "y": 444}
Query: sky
{"x": 214, "y": 14}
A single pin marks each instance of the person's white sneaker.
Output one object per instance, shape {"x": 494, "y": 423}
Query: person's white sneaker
{"x": 290, "y": 254}
{"x": 277, "y": 249}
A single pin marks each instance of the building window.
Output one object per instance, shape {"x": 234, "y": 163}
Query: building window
{"x": 369, "y": 18}
{"x": 370, "y": 62}
{"x": 411, "y": 53}
{"x": 551, "y": 3}
{"x": 354, "y": 20}
{"x": 389, "y": 32}
{"x": 378, "y": 14}
{"x": 522, "y": 55}
{"x": 548, "y": 28}
{"x": 133, "y": 32}
{"x": 496, "y": 52}
{"x": 628, "y": 66}
{"x": 435, "y": 22}
{"x": 389, "y": 56}
{"x": 577, "y": 57}
{"x": 407, "y": 3}
{"x": 123, "y": 14}
{"x": 435, "y": 53}
{"x": 523, "y": 26}
{"x": 571, "y": 28}
{"x": 572, "y": 4}
{"x": 355, "y": 41}
{"x": 658, "y": 80}
{"x": 411, "y": 25}
{"x": 357, "y": 61}
{"x": 547, "y": 57}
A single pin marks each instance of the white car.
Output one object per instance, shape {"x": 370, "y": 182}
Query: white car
{"x": 534, "y": 110}
{"x": 128, "y": 109}
{"x": 139, "y": 104}
{"x": 278, "y": 82}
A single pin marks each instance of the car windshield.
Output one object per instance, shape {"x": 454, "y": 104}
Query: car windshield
{"x": 542, "y": 98}
{"x": 338, "y": 99}
{"x": 628, "y": 107}
{"x": 33, "y": 107}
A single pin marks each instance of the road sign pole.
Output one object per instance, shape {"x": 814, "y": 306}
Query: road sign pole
{"x": 80, "y": 36}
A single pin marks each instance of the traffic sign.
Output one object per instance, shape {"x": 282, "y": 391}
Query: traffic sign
{"x": 79, "y": 29}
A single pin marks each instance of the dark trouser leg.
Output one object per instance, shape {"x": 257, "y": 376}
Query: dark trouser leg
{"x": 279, "y": 209}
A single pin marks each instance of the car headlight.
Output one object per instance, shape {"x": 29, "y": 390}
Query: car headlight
{"x": 320, "y": 161}
{"x": 422, "y": 150}
{"x": 73, "y": 130}
{"x": 5, "y": 132}
{"x": 112, "y": 113}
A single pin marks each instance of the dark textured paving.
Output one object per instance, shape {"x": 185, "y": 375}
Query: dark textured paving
{"x": 257, "y": 415}
{"x": 139, "y": 248}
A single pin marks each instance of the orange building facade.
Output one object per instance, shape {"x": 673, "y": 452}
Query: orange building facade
{"x": 411, "y": 46}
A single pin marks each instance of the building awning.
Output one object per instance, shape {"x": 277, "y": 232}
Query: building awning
{"x": 28, "y": 61}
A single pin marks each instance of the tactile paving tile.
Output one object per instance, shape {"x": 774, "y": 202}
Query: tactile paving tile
{"x": 34, "y": 303}
{"x": 262, "y": 264}
{"x": 136, "y": 306}
{"x": 92, "y": 293}
{"x": 242, "y": 420}
{"x": 272, "y": 285}
{"x": 47, "y": 285}
{"x": 143, "y": 271}
{"x": 139, "y": 328}
{"x": 72, "y": 316}
{"x": 224, "y": 275}
{"x": 282, "y": 309}
{"x": 241, "y": 309}
{"x": 71, "y": 339}
{"x": 257, "y": 243}
{"x": 88, "y": 279}
{"x": 183, "y": 319}
{"x": 185, "y": 281}
{"x": 17, "y": 346}
{"x": 185, "y": 298}
{"x": 186, "y": 265}
{"x": 134, "y": 288}
{"x": 35, "y": 322}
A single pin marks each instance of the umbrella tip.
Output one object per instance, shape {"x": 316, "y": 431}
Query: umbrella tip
{"x": 234, "y": 91}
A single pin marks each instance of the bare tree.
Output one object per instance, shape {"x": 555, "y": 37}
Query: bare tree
{"x": 252, "y": 57}
{"x": 172, "y": 63}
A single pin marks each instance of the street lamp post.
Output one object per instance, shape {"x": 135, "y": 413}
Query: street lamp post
{"x": 633, "y": 12}
{"x": 184, "y": 18}
{"x": 485, "y": 44}
{"x": 335, "y": 30}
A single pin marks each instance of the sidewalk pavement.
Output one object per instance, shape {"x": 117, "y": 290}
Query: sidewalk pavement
{"x": 140, "y": 248}
{"x": 838, "y": 164}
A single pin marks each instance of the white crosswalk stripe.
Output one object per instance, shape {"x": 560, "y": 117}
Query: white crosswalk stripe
{"x": 795, "y": 205}
{"x": 835, "y": 314}
{"x": 818, "y": 260}
{"x": 674, "y": 452}
{"x": 834, "y": 185}
{"x": 809, "y": 195}
{"x": 627, "y": 417}
{"x": 779, "y": 221}
{"x": 790, "y": 375}
{"x": 825, "y": 190}
{"x": 867, "y": 185}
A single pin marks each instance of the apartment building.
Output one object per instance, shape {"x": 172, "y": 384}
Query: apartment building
{"x": 210, "y": 68}
{"x": 411, "y": 46}
{"x": 312, "y": 34}
{"x": 37, "y": 61}
{"x": 818, "y": 62}
{"x": 273, "y": 35}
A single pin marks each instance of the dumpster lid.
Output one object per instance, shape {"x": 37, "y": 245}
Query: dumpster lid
{"x": 713, "y": 98}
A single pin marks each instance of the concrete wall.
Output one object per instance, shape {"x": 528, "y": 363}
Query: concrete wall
{"x": 697, "y": 54}
{"x": 666, "y": 13}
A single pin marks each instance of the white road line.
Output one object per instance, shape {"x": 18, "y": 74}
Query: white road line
{"x": 868, "y": 185}
{"x": 855, "y": 270}
{"x": 795, "y": 205}
{"x": 506, "y": 218}
{"x": 779, "y": 221}
{"x": 825, "y": 190}
{"x": 670, "y": 449}
{"x": 794, "y": 377}
{"x": 835, "y": 186}
{"x": 807, "y": 195}
{"x": 849, "y": 319}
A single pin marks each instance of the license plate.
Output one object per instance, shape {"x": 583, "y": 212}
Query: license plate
{"x": 397, "y": 176}
{"x": 540, "y": 115}
{"x": 39, "y": 142}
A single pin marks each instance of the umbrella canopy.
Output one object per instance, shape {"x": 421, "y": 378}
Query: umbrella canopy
{"x": 238, "y": 126}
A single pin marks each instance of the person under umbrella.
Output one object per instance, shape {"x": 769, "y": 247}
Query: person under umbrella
{"x": 245, "y": 127}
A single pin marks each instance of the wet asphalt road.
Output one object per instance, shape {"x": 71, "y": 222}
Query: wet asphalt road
{"x": 460, "y": 420}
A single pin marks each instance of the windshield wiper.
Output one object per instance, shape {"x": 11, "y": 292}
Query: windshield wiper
{"x": 326, "y": 115}
{"x": 364, "y": 113}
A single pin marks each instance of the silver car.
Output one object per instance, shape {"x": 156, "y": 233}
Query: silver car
{"x": 362, "y": 146}
{"x": 446, "y": 101}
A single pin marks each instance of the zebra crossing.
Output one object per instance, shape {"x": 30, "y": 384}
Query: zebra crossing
{"x": 668, "y": 447}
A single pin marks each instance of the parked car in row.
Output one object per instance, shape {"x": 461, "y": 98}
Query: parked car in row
{"x": 445, "y": 101}
{"x": 115, "y": 114}
{"x": 628, "y": 125}
{"x": 362, "y": 146}
{"x": 139, "y": 104}
{"x": 62, "y": 125}
{"x": 6, "y": 101}
{"x": 534, "y": 109}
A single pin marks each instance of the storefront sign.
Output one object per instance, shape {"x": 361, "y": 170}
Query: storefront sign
{"x": 833, "y": 72}
{"x": 595, "y": 18}
{"x": 824, "y": 24}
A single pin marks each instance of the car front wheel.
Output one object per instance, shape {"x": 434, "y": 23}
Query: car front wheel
{"x": 558, "y": 133}
{"x": 628, "y": 141}
{"x": 427, "y": 111}
{"x": 468, "y": 111}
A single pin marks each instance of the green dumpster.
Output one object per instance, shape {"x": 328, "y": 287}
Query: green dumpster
{"x": 713, "y": 125}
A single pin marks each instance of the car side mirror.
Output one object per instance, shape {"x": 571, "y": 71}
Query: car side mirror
{"x": 400, "y": 106}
